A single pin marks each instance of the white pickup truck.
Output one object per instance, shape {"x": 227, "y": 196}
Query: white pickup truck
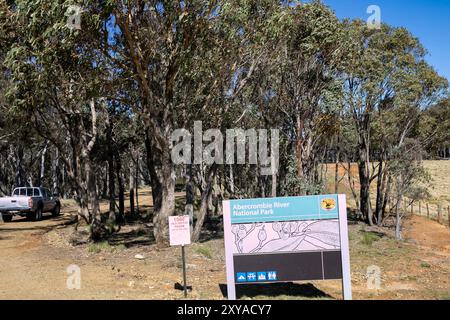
{"x": 29, "y": 202}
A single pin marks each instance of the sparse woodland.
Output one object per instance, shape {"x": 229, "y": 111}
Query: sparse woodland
{"x": 89, "y": 112}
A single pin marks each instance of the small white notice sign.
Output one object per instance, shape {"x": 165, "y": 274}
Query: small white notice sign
{"x": 179, "y": 230}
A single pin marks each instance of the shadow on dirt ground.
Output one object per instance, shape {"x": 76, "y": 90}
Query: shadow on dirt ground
{"x": 278, "y": 290}
{"x": 46, "y": 224}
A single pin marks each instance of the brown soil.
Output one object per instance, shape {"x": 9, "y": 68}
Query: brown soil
{"x": 34, "y": 257}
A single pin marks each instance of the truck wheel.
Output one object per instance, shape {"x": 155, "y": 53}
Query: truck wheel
{"x": 57, "y": 210}
{"x": 7, "y": 218}
{"x": 37, "y": 215}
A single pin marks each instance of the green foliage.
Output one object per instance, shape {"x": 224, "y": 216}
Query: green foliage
{"x": 113, "y": 91}
{"x": 204, "y": 251}
{"x": 104, "y": 246}
{"x": 368, "y": 238}
{"x": 295, "y": 185}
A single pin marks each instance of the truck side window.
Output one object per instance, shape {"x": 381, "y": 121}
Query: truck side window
{"x": 29, "y": 192}
{"x": 23, "y": 192}
{"x": 36, "y": 193}
{"x": 16, "y": 192}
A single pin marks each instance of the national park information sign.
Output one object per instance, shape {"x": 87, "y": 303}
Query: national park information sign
{"x": 286, "y": 239}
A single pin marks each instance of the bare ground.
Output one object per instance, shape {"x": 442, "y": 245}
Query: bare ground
{"x": 34, "y": 257}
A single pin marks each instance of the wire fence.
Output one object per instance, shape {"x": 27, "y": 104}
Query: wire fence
{"x": 437, "y": 212}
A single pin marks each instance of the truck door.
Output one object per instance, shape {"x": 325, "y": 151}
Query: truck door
{"x": 45, "y": 200}
{"x": 49, "y": 202}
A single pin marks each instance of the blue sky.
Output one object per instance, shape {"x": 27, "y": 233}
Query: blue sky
{"x": 429, "y": 20}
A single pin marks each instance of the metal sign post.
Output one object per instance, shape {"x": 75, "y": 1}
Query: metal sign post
{"x": 184, "y": 271}
{"x": 180, "y": 235}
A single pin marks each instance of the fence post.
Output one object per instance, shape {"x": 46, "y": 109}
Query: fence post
{"x": 428, "y": 211}
{"x": 439, "y": 213}
{"x": 420, "y": 208}
{"x": 448, "y": 215}
{"x": 412, "y": 208}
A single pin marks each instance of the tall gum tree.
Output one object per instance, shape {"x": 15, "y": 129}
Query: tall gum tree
{"x": 56, "y": 80}
{"x": 384, "y": 69}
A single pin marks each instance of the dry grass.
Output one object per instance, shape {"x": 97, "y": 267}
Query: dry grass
{"x": 439, "y": 186}
{"x": 440, "y": 174}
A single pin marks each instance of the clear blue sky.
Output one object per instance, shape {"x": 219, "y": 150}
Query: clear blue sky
{"x": 429, "y": 20}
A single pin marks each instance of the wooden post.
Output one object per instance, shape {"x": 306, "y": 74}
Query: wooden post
{"x": 428, "y": 211}
{"x": 412, "y": 208}
{"x": 439, "y": 213}
{"x": 420, "y": 208}
{"x": 448, "y": 215}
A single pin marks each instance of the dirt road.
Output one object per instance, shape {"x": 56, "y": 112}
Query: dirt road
{"x": 34, "y": 257}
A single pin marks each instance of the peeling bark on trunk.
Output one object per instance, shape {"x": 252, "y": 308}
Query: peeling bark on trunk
{"x": 189, "y": 208}
{"x": 164, "y": 202}
{"x": 205, "y": 200}
{"x": 162, "y": 173}
{"x": 42, "y": 171}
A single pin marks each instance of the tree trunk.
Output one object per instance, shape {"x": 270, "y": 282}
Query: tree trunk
{"x": 205, "y": 199}
{"x": 381, "y": 182}
{"x": 299, "y": 146}
{"x": 398, "y": 221}
{"x": 56, "y": 173}
{"x": 96, "y": 230}
{"x": 132, "y": 187}
{"x": 42, "y": 171}
{"x": 164, "y": 202}
{"x": 162, "y": 173}
{"x": 231, "y": 179}
{"x": 351, "y": 183}
{"x": 121, "y": 215}
{"x": 137, "y": 184}
{"x": 111, "y": 187}
{"x": 189, "y": 208}
{"x": 364, "y": 179}
{"x": 387, "y": 195}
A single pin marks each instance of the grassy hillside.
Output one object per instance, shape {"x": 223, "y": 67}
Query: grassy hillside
{"x": 439, "y": 186}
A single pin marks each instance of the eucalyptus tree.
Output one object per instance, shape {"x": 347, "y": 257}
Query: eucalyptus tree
{"x": 384, "y": 71}
{"x": 152, "y": 40}
{"x": 292, "y": 88}
{"x": 182, "y": 56}
{"x": 56, "y": 79}
{"x": 434, "y": 129}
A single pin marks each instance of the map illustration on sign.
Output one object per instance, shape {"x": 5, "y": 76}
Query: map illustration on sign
{"x": 290, "y": 236}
